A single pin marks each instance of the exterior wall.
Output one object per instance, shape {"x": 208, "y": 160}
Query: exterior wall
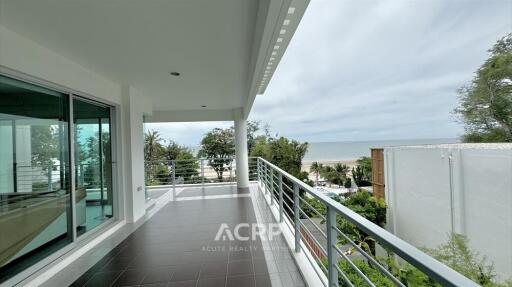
{"x": 434, "y": 191}
{"x": 133, "y": 152}
{"x": 24, "y": 55}
{"x": 21, "y": 55}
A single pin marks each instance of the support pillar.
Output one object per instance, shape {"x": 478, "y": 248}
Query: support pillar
{"x": 242, "y": 158}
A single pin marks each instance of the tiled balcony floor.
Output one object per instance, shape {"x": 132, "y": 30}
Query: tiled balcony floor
{"x": 209, "y": 191}
{"x": 177, "y": 247}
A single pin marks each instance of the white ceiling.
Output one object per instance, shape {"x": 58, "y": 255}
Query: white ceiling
{"x": 212, "y": 43}
{"x": 140, "y": 42}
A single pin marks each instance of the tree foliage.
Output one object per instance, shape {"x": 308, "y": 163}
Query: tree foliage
{"x": 218, "y": 147}
{"x": 486, "y": 103}
{"x": 362, "y": 173}
{"x": 158, "y": 157}
{"x": 369, "y": 207}
{"x": 316, "y": 168}
{"x": 284, "y": 153}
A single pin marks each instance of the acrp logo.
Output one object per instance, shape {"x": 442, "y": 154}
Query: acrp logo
{"x": 264, "y": 231}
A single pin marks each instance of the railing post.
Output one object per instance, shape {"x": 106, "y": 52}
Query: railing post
{"x": 231, "y": 171}
{"x": 281, "y": 207}
{"x": 331, "y": 251}
{"x": 174, "y": 178}
{"x": 202, "y": 171}
{"x": 50, "y": 178}
{"x": 296, "y": 216}
{"x": 258, "y": 166}
{"x": 265, "y": 177}
{"x": 271, "y": 186}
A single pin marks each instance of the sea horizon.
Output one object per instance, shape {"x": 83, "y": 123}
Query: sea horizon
{"x": 352, "y": 150}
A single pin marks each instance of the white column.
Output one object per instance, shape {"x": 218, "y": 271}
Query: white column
{"x": 242, "y": 159}
{"x": 135, "y": 106}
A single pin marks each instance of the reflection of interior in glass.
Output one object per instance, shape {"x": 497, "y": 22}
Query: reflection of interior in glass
{"x": 93, "y": 162}
{"x": 35, "y": 210}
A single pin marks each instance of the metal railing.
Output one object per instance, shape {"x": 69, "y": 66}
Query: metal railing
{"x": 194, "y": 171}
{"x": 322, "y": 238}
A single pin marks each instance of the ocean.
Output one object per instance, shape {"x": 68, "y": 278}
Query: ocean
{"x": 318, "y": 151}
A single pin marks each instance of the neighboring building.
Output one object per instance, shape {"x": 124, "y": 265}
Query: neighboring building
{"x": 433, "y": 190}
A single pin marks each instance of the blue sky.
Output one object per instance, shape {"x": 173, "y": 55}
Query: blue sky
{"x": 373, "y": 69}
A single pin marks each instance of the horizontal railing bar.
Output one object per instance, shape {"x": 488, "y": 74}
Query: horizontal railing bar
{"x": 319, "y": 261}
{"x": 358, "y": 271}
{"x": 344, "y": 276}
{"x": 381, "y": 268}
{"x": 314, "y": 239}
{"x": 425, "y": 263}
{"x": 317, "y": 212}
{"x": 318, "y": 228}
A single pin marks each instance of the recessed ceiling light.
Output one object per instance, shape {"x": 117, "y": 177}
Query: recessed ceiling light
{"x": 174, "y": 74}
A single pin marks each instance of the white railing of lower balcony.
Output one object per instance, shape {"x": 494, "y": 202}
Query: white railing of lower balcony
{"x": 331, "y": 252}
{"x": 194, "y": 171}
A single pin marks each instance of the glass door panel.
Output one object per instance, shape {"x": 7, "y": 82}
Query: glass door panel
{"x": 35, "y": 191}
{"x": 93, "y": 164}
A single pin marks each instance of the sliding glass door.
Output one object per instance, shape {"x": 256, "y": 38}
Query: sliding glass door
{"x": 93, "y": 164}
{"x": 35, "y": 189}
{"x": 36, "y": 154}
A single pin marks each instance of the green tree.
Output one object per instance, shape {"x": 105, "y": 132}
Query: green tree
{"x": 186, "y": 163}
{"x": 348, "y": 183}
{"x": 219, "y": 148}
{"x": 331, "y": 175}
{"x": 362, "y": 173}
{"x": 287, "y": 154}
{"x": 316, "y": 168}
{"x": 370, "y": 208}
{"x": 152, "y": 145}
{"x": 252, "y": 128}
{"x": 486, "y": 103}
{"x": 457, "y": 255}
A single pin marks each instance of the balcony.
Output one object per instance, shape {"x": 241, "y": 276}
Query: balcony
{"x": 182, "y": 241}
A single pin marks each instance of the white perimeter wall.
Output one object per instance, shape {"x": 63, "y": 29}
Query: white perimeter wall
{"x": 423, "y": 209}
{"x": 23, "y": 56}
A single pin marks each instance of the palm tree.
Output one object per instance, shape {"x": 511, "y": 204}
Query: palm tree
{"x": 152, "y": 145}
{"x": 316, "y": 168}
{"x": 342, "y": 169}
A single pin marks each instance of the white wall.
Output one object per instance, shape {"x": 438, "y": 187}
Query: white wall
{"x": 423, "y": 209}
{"x": 133, "y": 152}
{"x": 26, "y": 56}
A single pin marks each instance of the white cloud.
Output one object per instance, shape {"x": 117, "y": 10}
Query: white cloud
{"x": 374, "y": 69}
{"x": 359, "y": 70}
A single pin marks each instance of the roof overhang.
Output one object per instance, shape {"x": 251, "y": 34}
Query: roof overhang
{"x": 226, "y": 51}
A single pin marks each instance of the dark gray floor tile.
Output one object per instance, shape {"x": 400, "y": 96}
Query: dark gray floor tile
{"x": 241, "y": 267}
{"x": 103, "y": 279}
{"x": 158, "y": 275}
{"x": 212, "y": 269}
{"x": 212, "y": 282}
{"x": 130, "y": 277}
{"x": 191, "y": 283}
{"x": 237, "y": 281}
{"x": 186, "y": 273}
